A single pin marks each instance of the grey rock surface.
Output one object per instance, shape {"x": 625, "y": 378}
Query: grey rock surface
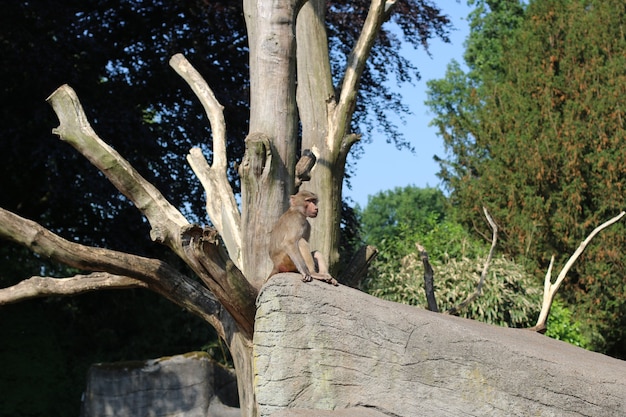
{"x": 190, "y": 385}
{"x": 319, "y": 347}
{"x": 346, "y": 412}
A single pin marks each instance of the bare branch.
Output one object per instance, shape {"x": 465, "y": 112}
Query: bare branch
{"x": 550, "y": 290}
{"x": 378, "y": 13}
{"x": 214, "y": 110}
{"x": 220, "y": 204}
{"x": 483, "y": 275}
{"x": 220, "y": 201}
{"x": 157, "y": 275}
{"x": 75, "y": 129}
{"x": 207, "y": 258}
{"x": 37, "y": 287}
{"x": 166, "y": 221}
{"x": 341, "y": 112}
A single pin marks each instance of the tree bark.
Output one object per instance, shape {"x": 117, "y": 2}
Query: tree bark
{"x": 37, "y": 286}
{"x": 267, "y": 171}
{"x": 122, "y": 268}
{"x": 220, "y": 202}
{"x": 429, "y": 280}
{"x": 326, "y": 117}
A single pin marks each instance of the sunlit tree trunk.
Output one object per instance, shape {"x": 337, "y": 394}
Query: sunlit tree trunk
{"x": 326, "y": 112}
{"x": 268, "y": 166}
{"x": 316, "y": 100}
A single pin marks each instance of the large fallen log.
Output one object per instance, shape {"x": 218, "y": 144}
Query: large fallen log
{"x": 328, "y": 348}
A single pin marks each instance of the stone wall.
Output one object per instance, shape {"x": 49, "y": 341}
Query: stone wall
{"x": 190, "y": 385}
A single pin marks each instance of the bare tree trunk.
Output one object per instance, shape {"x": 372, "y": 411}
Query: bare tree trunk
{"x": 267, "y": 170}
{"x": 315, "y": 101}
{"x": 326, "y": 117}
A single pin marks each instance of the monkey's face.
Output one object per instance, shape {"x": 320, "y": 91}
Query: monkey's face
{"x": 311, "y": 208}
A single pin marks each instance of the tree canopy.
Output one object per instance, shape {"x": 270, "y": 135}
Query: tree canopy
{"x": 535, "y": 132}
{"x": 115, "y": 53}
{"x": 411, "y": 207}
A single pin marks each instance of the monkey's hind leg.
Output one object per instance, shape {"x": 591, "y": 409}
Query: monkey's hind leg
{"x": 321, "y": 269}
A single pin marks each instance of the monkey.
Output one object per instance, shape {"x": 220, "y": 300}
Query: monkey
{"x": 289, "y": 241}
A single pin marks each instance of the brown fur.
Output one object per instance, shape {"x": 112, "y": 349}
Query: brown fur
{"x": 289, "y": 241}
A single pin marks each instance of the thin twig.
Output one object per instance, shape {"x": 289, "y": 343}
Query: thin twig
{"x": 483, "y": 275}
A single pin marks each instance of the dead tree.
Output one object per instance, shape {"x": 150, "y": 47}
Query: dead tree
{"x": 231, "y": 256}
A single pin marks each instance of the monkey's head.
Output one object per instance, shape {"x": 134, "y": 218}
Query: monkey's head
{"x": 305, "y": 202}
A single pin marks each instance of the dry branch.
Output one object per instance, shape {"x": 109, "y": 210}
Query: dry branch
{"x": 378, "y": 13}
{"x": 550, "y": 290}
{"x": 37, "y": 286}
{"x": 214, "y": 110}
{"x": 483, "y": 275}
{"x": 157, "y": 275}
{"x": 220, "y": 201}
{"x": 168, "y": 226}
{"x": 207, "y": 258}
{"x": 74, "y": 128}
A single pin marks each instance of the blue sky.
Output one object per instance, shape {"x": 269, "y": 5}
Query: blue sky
{"x": 382, "y": 166}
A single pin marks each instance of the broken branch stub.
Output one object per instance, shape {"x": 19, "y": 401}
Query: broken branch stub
{"x": 429, "y": 281}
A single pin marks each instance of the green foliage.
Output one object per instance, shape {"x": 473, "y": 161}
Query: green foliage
{"x": 390, "y": 212}
{"x": 490, "y": 22}
{"x": 402, "y": 217}
{"x": 562, "y": 326}
{"x": 537, "y": 136}
{"x": 395, "y": 220}
{"x": 443, "y": 240}
{"x": 510, "y": 297}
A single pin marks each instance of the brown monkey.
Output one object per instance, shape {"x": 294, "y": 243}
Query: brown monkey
{"x": 289, "y": 241}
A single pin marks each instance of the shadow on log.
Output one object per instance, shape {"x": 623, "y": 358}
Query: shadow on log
{"x": 329, "y": 348}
